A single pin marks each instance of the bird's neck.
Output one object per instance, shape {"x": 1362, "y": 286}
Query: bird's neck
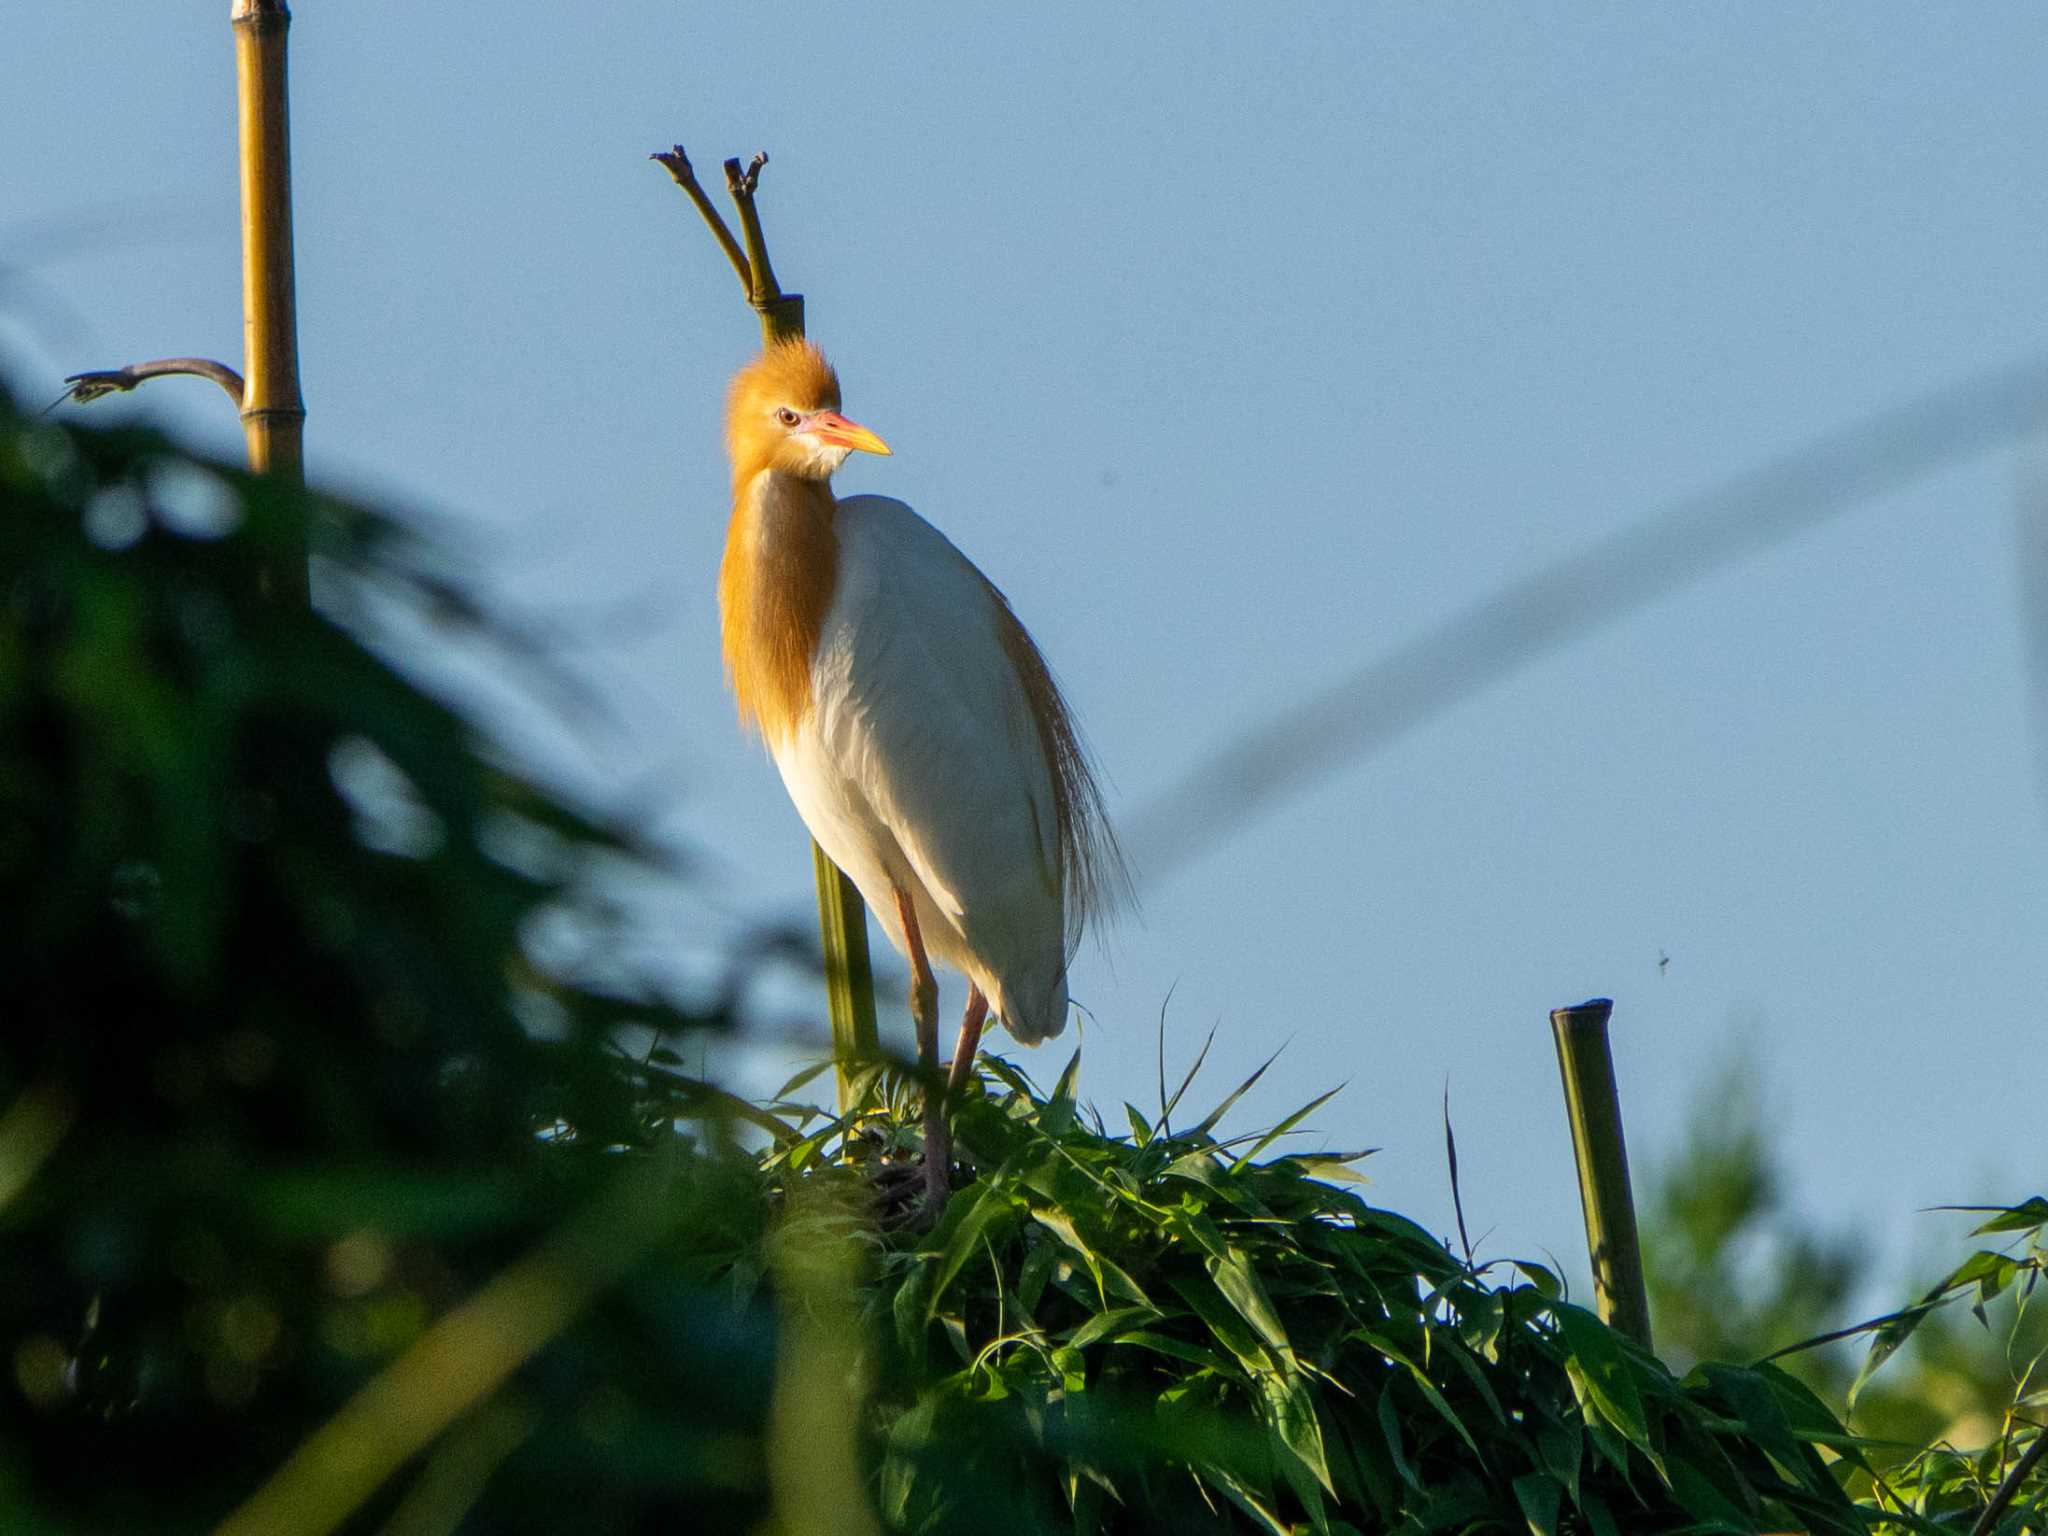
{"x": 774, "y": 586}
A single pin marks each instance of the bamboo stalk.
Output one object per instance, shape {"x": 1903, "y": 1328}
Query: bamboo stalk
{"x": 273, "y": 413}
{"x": 1593, "y": 1106}
{"x": 842, "y": 915}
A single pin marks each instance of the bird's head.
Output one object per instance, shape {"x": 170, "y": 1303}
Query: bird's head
{"x": 783, "y": 414}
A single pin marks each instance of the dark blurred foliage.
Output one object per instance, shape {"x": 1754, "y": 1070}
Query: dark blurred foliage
{"x": 284, "y": 1077}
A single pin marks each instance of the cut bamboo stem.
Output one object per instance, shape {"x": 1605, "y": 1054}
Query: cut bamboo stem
{"x": 1593, "y": 1106}
{"x": 842, "y": 915}
{"x": 273, "y": 413}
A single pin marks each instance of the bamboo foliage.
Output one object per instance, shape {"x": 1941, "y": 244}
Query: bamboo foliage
{"x": 842, "y": 915}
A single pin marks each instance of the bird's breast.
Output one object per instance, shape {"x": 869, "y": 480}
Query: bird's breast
{"x": 775, "y": 587}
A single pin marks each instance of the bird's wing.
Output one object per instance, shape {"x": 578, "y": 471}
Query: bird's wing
{"x": 922, "y": 709}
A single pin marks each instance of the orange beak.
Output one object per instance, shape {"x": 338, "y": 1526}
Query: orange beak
{"x": 831, "y": 427}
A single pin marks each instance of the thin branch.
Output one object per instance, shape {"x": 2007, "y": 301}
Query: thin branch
{"x": 86, "y": 387}
{"x": 2010, "y": 1488}
{"x": 684, "y": 174}
{"x": 743, "y": 184}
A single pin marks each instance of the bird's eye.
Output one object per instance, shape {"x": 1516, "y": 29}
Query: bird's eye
{"x": 786, "y": 416}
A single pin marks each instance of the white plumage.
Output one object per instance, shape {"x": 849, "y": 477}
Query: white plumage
{"x": 917, "y": 727}
{"x": 918, "y": 767}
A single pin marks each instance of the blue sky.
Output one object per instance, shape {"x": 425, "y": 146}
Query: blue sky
{"x": 1239, "y": 346}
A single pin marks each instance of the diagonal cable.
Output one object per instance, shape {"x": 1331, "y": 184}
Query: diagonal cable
{"x": 1626, "y": 571}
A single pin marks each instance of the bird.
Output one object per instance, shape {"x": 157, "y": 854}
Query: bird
{"x": 914, "y": 721}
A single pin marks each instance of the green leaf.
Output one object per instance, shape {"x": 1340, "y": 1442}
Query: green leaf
{"x": 1546, "y": 1282}
{"x": 1540, "y": 1496}
{"x": 911, "y": 1314}
{"x": 1763, "y": 1416}
{"x": 1107, "y": 1324}
{"x": 1287, "y": 1124}
{"x": 1698, "y": 1496}
{"x": 1291, "y": 1412}
{"x": 1222, "y": 1320}
{"x": 2032, "y": 1212}
{"x": 975, "y": 1214}
{"x": 1559, "y": 1447}
{"x": 1057, "y": 1118}
{"x": 1390, "y": 1428}
{"x": 1209, "y": 1122}
{"x": 1031, "y": 1277}
{"x": 1141, "y": 1128}
{"x": 1324, "y": 1166}
{"x": 806, "y": 1075}
{"x": 1105, "y": 1272}
{"x": 1891, "y": 1333}
{"x": 1168, "y": 1105}
{"x": 1430, "y": 1393}
{"x": 1180, "y": 1349}
{"x": 1604, "y": 1368}
{"x": 1598, "y": 1517}
{"x": 1240, "y": 1285}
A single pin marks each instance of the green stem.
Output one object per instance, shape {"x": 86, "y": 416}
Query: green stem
{"x": 1593, "y": 1105}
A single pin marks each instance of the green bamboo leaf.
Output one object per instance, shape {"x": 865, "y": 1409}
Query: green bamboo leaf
{"x": 2032, "y": 1212}
{"x": 983, "y": 1209}
{"x": 1560, "y": 1447}
{"x": 1115, "y": 1321}
{"x": 1698, "y": 1497}
{"x": 1546, "y": 1282}
{"x": 1008, "y": 1074}
{"x": 1892, "y": 1332}
{"x": 1430, "y": 1394}
{"x": 1603, "y": 1367}
{"x": 1199, "y": 1165}
{"x": 1390, "y": 1428}
{"x": 1168, "y": 1105}
{"x": 1141, "y": 1128}
{"x": 1036, "y": 1270}
{"x": 1810, "y": 1420}
{"x": 1222, "y": 1320}
{"x": 801, "y": 1078}
{"x": 1287, "y": 1124}
{"x": 1108, "y": 1276}
{"x": 1057, "y": 1118}
{"x": 1323, "y": 1166}
{"x": 1209, "y": 1122}
{"x": 1257, "y": 1509}
{"x": 911, "y": 1313}
{"x": 1291, "y": 1412}
{"x": 1180, "y": 1349}
{"x": 1764, "y": 1419}
{"x": 1540, "y": 1496}
{"x": 1240, "y": 1285}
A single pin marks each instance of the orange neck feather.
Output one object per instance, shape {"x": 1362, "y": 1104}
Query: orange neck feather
{"x": 774, "y": 585}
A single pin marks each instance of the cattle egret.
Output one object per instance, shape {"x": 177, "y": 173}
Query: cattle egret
{"x": 913, "y": 719}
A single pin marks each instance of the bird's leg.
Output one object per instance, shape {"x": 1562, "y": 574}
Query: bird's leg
{"x": 924, "y": 1011}
{"x": 970, "y": 1043}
